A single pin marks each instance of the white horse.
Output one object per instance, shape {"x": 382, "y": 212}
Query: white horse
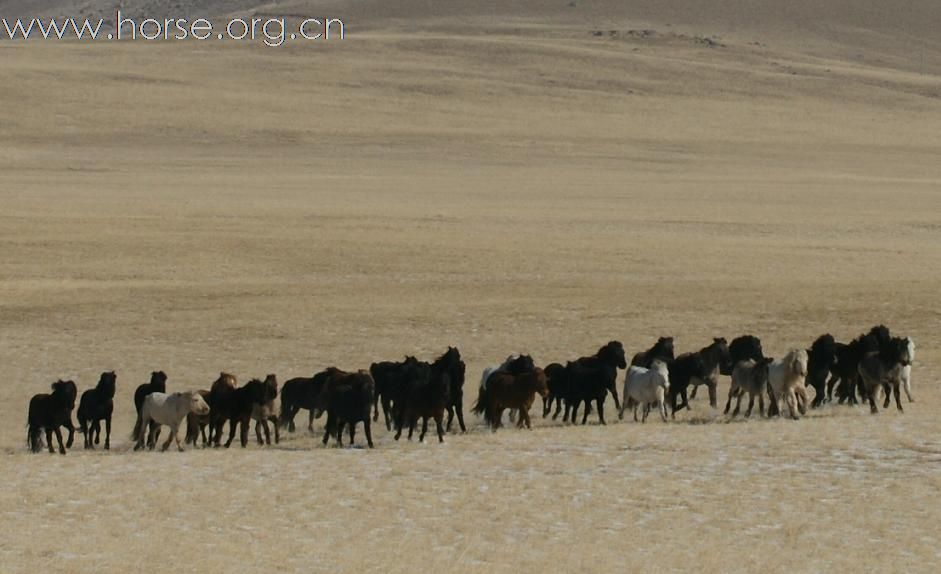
{"x": 645, "y": 387}
{"x": 786, "y": 379}
{"x": 170, "y": 410}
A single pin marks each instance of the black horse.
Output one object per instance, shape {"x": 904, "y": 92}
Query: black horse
{"x": 97, "y": 405}
{"x": 157, "y": 384}
{"x": 821, "y": 361}
{"x": 558, "y": 384}
{"x": 390, "y": 379}
{"x": 49, "y": 412}
{"x": 744, "y": 348}
{"x": 347, "y": 398}
{"x": 427, "y": 395}
{"x": 455, "y": 369}
{"x": 237, "y": 407}
{"x": 846, "y": 374}
{"x": 699, "y": 368}
{"x": 592, "y": 378}
{"x": 301, "y": 393}
{"x": 662, "y": 350}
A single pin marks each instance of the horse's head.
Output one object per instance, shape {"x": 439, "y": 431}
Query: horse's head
{"x": 720, "y": 347}
{"x": 65, "y": 389}
{"x": 904, "y": 351}
{"x": 521, "y": 364}
{"x": 540, "y": 383}
{"x": 613, "y": 354}
{"x": 271, "y": 387}
{"x": 881, "y": 334}
{"x": 158, "y": 381}
{"x": 107, "y": 383}
{"x": 664, "y": 348}
{"x": 797, "y": 360}
{"x": 225, "y": 379}
{"x": 197, "y": 404}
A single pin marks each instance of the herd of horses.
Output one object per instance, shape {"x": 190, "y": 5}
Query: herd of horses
{"x": 411, "y": 390}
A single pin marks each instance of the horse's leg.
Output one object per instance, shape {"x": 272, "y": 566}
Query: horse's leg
{"x": 646, "y": 411}
{"x": 872, "y": 401}
{"x": 375, "y": 408}
{"x": 97, "y": 431}
{"x": 424, "y": 429}
{"x": 366, "y": 428}
{"x": 738, "y": 405}
{"x": 713, "y": 388}
{"x": 387, "y": 412}
{"x": 450, "y": 416}
{"x": 353, "y": 432}
{"x": 601, "y": 410}
{"x": 326, "y": 430}
{"x": 310, "y": 420}
{"x": 411, "y": 426}
{"x": 459, "y": 407}
{"x": 59, "y": 438}
{"x": 170, "y": 436}
{"x": 728, "y": 403}
{"x": 898, "y": 397}
{"x": 108, "y": 432}
{"x": 761, "y": 404}
{"x": 887, "y": 390}
{"x": 52, "y": 449}
{"x": 258, "y": 438}
{"x": 791, "y": 404}
{"x": 233, "y": 423}
{"x": 152, "y": 436}
{"x": 244, "y": 425}
{"x": 277, "y": 433}
{"x": 439, "y": 416}
{"x": 907, "y": 385}
{"x": 341, "y": 422}
{"x": 71, "y": 427}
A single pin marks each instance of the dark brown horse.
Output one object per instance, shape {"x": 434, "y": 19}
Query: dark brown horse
{"x": 49, "y": 412}
{"x": 301, "y": 393}
{"x": 428, "y": 394}
{"x": 97, "y": 405}
{"x": 510, "y": 390}
{"x": 347, "y": 399}
{"x": 235, "y": 405}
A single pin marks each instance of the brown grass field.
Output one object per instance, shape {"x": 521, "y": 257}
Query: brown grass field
{"x": 502, "y": 183}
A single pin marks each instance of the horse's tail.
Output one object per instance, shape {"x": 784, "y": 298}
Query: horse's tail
{"x": 136, "y": 434}
{"x": 480, "y": 407}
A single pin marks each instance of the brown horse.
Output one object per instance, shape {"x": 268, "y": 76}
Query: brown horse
{"x": 220, "y": 399}
{"x": 506, "y": 390}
